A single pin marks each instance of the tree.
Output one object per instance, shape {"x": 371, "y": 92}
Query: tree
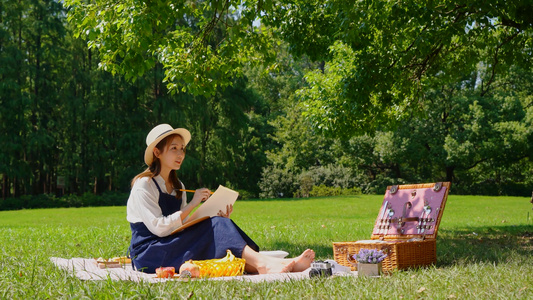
{"x": 380, "y": 55}
{"x": 63, "y": 117}
{"x": 13, "y": 98}
{"x": 29, "y": 34}
{"x": 482, "y": 144}
{"x": 202, "y": 45}
{"x": 488, "y": 144}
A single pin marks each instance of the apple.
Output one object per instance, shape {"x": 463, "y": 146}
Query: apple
{"x": 165, "y": 272}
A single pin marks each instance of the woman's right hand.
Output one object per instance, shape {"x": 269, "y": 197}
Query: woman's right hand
{"x": 200, "y": 195}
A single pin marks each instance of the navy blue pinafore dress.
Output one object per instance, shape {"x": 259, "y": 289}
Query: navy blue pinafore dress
{"x": 206, "y": 240}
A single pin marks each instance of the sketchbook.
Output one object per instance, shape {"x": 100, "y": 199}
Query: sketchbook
{"x": 220, "y": 199}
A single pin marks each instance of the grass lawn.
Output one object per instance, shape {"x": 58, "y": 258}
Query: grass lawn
{"x": 484, "y": 251}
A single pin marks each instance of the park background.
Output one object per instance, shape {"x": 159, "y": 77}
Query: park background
{"x": 283, "y": 98}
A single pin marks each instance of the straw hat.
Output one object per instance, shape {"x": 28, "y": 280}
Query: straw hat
{"x": 157, "y": 134}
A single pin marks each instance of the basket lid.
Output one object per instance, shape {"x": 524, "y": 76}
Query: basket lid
{"x": 411, "y": 211}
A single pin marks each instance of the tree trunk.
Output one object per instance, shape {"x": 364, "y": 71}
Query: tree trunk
{"x": 4, "y": 186}
{"x": 449, "y": 173}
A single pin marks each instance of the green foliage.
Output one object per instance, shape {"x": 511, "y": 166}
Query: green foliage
{"x": 227, "y": 135}
{"x": 64, "y": 118}
{"x": 329, "y": 180}
{"x": 443, "y": 91}
{"x": 325, "y": 191}
{"x": 202, "y": 45}
{"x": 72, "y": 200}
{"x": 325, "y": 99}
{"x": 480, "y": 143}
{"x": 277, "y": 183}
{"x": 382, "y": 57}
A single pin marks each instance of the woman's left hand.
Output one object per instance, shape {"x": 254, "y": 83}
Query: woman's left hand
{"x": 229, "y": 210}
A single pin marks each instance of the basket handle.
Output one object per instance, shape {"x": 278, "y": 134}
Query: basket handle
{"x": 350, "y": 259}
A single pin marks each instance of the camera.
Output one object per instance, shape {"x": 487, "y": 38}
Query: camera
{"x": 320, "y": 269}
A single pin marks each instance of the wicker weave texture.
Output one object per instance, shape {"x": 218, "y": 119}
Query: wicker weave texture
{"x": 227, "y": 266}
{"x": 220, "y": 269}
{"x": 401, "y": 254}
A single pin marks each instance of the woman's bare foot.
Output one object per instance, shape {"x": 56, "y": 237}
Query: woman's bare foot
{"x": 303, "y": 261}
{"x": 262, "y": 264}
{"x": 289, "y": 267}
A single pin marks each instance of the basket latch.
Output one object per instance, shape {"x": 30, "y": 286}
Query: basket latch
{"x": 393, "y": 189}
{"x": 403, "y": 218}
{"x": 437, "y": 186}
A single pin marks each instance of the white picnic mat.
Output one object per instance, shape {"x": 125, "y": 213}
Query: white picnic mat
{"x": 87, "y": 269}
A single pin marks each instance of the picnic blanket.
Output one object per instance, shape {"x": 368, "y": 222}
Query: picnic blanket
{"x": 87, "y": 269}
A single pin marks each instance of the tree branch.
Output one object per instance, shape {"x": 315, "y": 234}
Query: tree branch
{"x": 496, "y": 61}
{"x": 511, "y": 23}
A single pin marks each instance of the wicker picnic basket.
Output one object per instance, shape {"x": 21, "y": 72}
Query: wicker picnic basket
{"x": 405, "y": 229}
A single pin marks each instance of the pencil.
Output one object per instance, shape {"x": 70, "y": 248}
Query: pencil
{"x": 190, "y": 191}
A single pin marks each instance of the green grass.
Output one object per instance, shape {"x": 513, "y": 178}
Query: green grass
{"x": 484, "y": 251}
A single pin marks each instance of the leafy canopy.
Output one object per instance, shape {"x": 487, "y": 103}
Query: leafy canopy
{"x": 381, "y": 56}
{"x": 202, "y": 45}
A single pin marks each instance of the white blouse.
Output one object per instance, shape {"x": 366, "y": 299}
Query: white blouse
{"x": 143, "y": 206}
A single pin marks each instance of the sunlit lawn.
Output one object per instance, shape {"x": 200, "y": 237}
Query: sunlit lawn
{"x": 484, "y": 249}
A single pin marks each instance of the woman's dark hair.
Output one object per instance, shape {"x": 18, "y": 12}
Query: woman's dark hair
{"x": 155, "y": 168}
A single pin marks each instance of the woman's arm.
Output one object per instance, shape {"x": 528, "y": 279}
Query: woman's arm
{"x": 143, "y": 206}
{"x": 200, "y": 195}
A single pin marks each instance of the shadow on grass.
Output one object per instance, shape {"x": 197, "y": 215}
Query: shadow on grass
{"x": 321, "y": 251}
{"x": 329, "y": 198}
{"x": 494, "y": 244}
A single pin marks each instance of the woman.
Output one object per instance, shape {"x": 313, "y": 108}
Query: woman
{"x": 155, "y": 209}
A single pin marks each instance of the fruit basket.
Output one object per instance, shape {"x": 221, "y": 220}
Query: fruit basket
{"x": 227, "y": 266}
